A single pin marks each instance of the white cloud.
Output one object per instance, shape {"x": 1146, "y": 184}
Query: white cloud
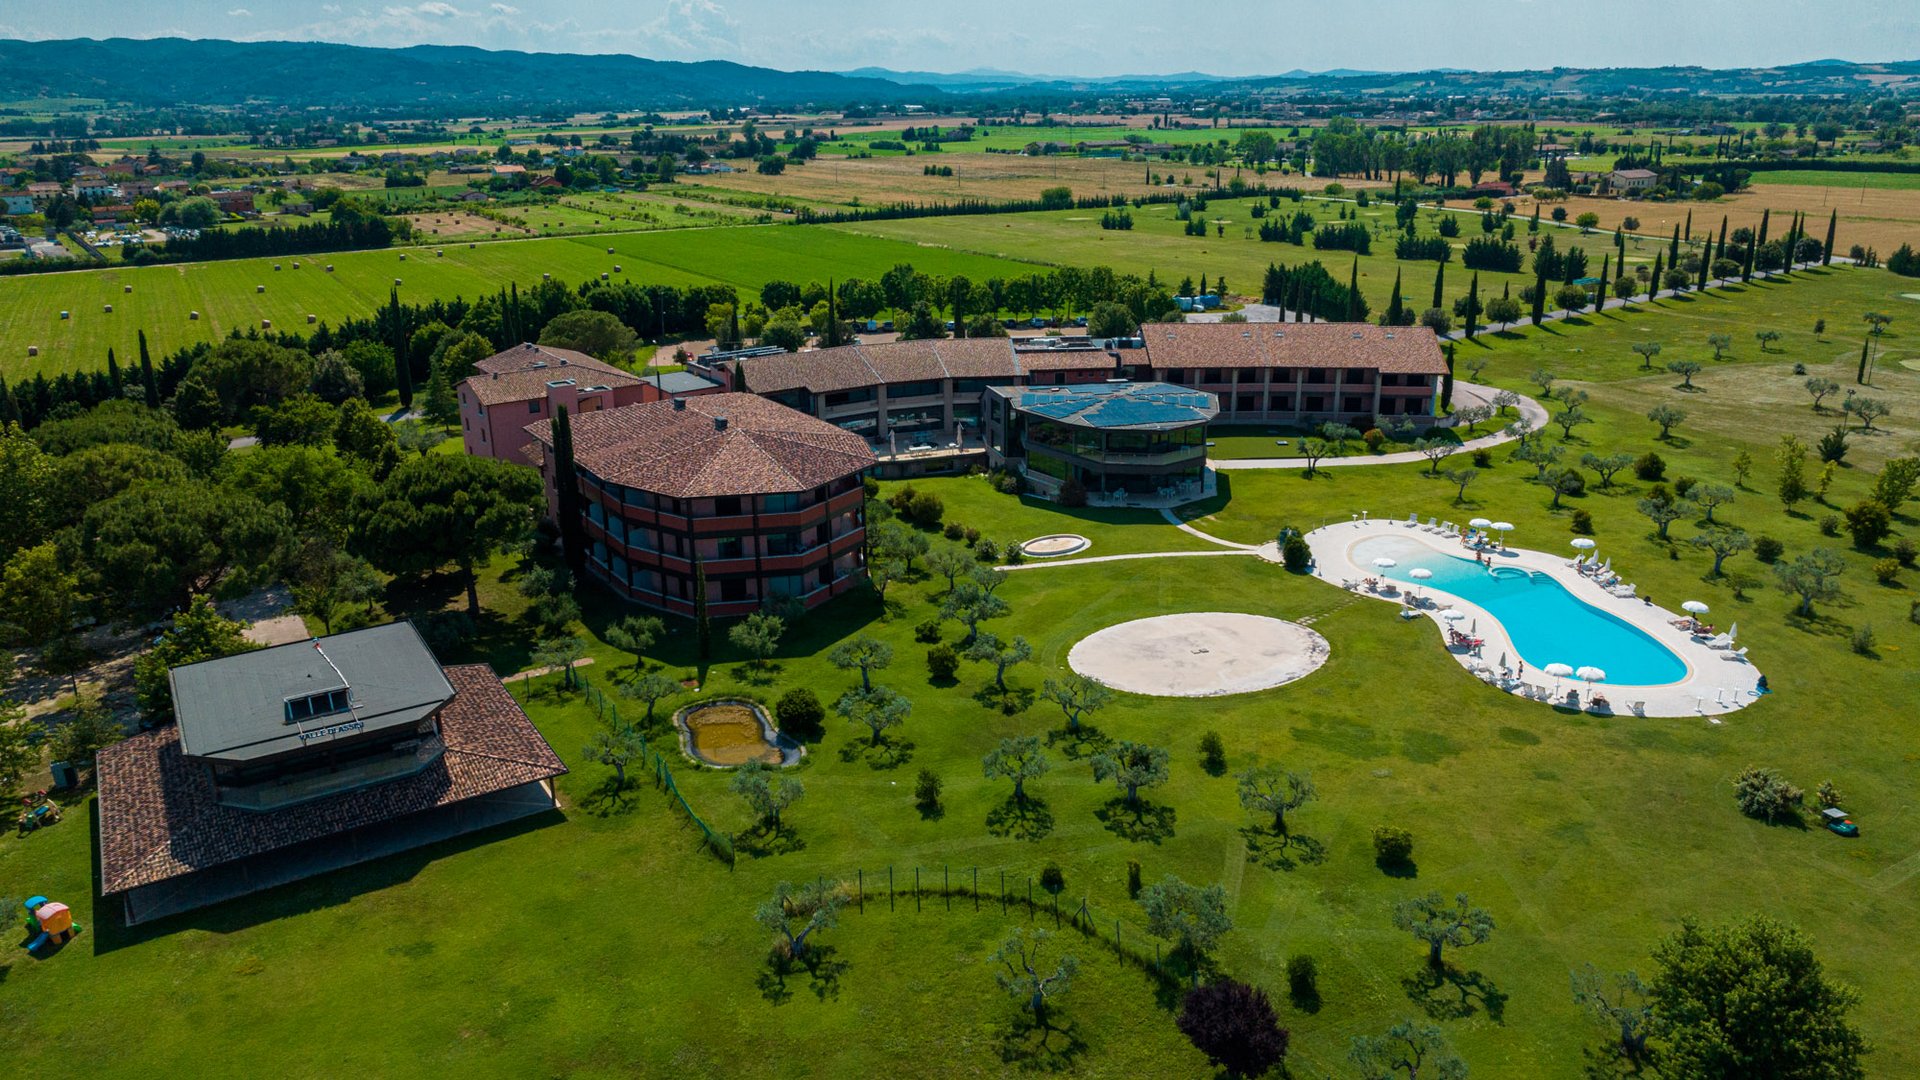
{"x": 439, "y": 9}
{"x": 692, "y": 29}
{"x": 505, "y": 9}
{"x": 329, "y": 9}
{"x": 239, "y": 13}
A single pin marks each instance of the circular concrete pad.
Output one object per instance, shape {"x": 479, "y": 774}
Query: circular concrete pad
{"x": 1054, "y": 545}
{"x": 1199, "y": 654}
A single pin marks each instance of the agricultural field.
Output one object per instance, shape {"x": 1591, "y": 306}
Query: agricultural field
{"x": 1587, "y": 838}
{"x": 1879, "y": 218}
{"x": 1837, "y": 180}
{"x": 224, "y": 292}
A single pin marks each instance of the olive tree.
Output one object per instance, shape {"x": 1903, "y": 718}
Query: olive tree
{"x": 796, "y": 914}
{"x": 1018, "y": 759}
{"x": 1077, "y": 696}
{"x": 1813, "y": 576}
{"x": 1023, "y": 971}
{"x": 1273, "y": 790}
{"x": 1132, "y": 766}
{"x": 865, "y": 652}
{"x": 1191, "y": 917}
{"x": 1439, "y": 924}
{"x": 878, "y": 707}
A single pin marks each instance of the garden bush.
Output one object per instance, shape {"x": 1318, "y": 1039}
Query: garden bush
{"x": 1905, "y": 551}
{"x": 1868, "y": 522}
{"x": 1303, "y": 978}
{"x": 1684, "y": 484}
{"x": 1213, "y": 754}
{"x": 943, "y": 663}
{"x": 1830, "y": 525}
{"x": 1863, "y": 641}
{"x": 1649, "y": 466}
{"x": 1483, "y": 458}
{"x": 1373, "y": 438}
{"x": 954, "y": 531}
{"x": 1886, "y": 571}
{"x": 927, "y": 633}
{"x": 926, "y": 791}
{"x": 1583, "y": 523}
{"x": 1392, "y": 845}
{"x": 925, "y": 510}
{"x": 1765, "y": 794}
{"x": 799, "y": 712}
{"x": 1296, "y": 554}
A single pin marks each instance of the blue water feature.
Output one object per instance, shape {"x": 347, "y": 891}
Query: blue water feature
{"x": 1547, "y": 624}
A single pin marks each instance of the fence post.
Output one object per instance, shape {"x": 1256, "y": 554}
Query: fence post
{"x": 946, "y": 886}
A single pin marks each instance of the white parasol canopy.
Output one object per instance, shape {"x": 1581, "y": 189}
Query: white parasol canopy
{"x": 1584, "y": 543}
{"x": 1558, "y": 671}
{"x": 1503, "y": 526}
{"x": 1453, "y": 614}
{"x": 1384, "y": 563}
{"x": 1420, "y": 573}
{"x": 1480, "y": 523}
{"x": 1698, "y": 607}
{"x": 1592, "y": 674}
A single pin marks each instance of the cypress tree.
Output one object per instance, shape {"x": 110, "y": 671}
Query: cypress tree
{"x": 1439, "y": 285}
{"x": 1446, "y": 384}
{"x": 1722, "y": 253}
{"x": 9, "y": 409}
{"x": 702, "y": 622}
{"x": 1833, "y": 219}
{"x": 566, "y": 485}
{"x": 1394, "y": 305}
{"x": 1473, "y": 310}
{"x": 1689, "y": 225}
{"x": 1706, "y": 258}
{"x": 1673, "y": 250}
{"x": 1606, "y": 275}
{"x": 1765, "y": 215}
{"x": 1539, "y": 297}
{"x": 1653, "y": 291}
{"x": 1746, "y": 265}
{"x": 148, "y": 383}
{"x": 402, "y": 371}
{"x": 1860, "y": 376}
{"x": 113, "y": 374}
{"x": 1353, "y": 291}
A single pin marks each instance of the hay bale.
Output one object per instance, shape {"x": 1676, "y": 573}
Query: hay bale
{"x": 311, "y": 319}
{"x": 603, "y": 275}
{"x": 193, "y": 316}
{"x": 329, "y": 268}
{"x": 296, "y": 266}
{"x": 266, "y": 324}
{"x": 616, "y": 268}
{"x": 259, "y": 289}
{"x": 276, "y": 268}
{"x": 403, "y": 256}
{"x": 546, "y": 277}
{"x": 126, "y": 288}
{"x": 33, "y": 350}
{"x": 609, "y": 251}
{"x": 109, "y": 308}
{"x": 66, "y": 314}
{"x": 396, "y": 281}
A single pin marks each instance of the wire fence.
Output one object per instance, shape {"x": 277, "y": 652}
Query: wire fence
{"x": 973, "y": 889}
{"x": 652, "y": 760}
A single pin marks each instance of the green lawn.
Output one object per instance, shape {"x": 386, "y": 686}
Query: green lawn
{"x": 223, "y": 292}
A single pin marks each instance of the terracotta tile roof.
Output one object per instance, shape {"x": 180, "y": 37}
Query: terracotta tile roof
{"x": 765, "y": 447}
{"x": 1401, "y": 350}
{"x": 523, "y": 372}
{"x": 159, "y": 819}
{"x": 1072, "y": 359}
{"x": 824, "y": 371}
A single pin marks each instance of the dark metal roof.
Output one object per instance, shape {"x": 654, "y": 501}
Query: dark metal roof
{"x": 235, "y": 708}
{"x": 681, "y": 382}
{"x": 1151, "y": 406}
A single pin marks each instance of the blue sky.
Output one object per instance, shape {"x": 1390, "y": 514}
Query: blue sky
{"x": 1074, "y": 37}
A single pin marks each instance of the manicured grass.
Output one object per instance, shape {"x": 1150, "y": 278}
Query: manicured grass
{"x": 223, "y": 292}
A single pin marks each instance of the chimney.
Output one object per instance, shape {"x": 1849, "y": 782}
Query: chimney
{"x": 720, "y": 422}
{"x": 679, "y": 404}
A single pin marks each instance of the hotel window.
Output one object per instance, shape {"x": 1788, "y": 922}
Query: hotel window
{"x": 783, "y": 503}
{"x": 1247, "y": 402}
{"x": 533, "y": 406}
{"x": 849, "y": 397}
{"x": 927, "y": 388}
{"x": 729, "y": 547}
{"x": 726, "y": 505}
{"x": 784, "y": 543}
{"x": 734, "y": 589}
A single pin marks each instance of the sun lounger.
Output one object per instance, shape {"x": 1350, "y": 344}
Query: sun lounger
{"x": 1736, "y": 654}
{"x": 1413, "y": 519}
{"x": 1720, "y": 642}
{"x": 1638, "y": 708}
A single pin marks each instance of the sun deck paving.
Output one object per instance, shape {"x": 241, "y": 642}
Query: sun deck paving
{"x": 1716, "y": 682}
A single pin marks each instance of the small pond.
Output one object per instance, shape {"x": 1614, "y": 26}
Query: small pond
{"x": 733, "y": 731}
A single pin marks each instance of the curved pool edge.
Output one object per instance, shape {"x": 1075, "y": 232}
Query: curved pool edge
{"x": 1714, "y": 683}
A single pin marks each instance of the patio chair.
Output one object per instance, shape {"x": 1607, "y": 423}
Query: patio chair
{"x": 1413, "y": 519}
{"x": 1739, "y": 654}
{"x": 1432, "y": 525}
{"x": 1638, "y": 708}
{"x": 1721, "y": 641}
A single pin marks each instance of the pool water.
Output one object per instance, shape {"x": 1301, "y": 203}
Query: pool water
{"x": 1547, "y": 624}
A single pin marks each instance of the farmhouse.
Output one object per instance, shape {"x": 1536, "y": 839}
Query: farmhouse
{"x": 292, "y": 761}
{"x": 524, "y": 384}
{"x": 752, "y": 499}
{"x": 233, "y": 202}
{"x": 1632, "y": 180}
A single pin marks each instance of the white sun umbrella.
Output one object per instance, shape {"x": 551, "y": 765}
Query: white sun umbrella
{"x": 1419, "y": 573}
{"x": 1384, "y": 563}
{"x": 1558, "y": 671}
{"x": 1503, "y": 528}
{"x": 1480, "y": 523}
{"x": 1584, "y": 543}
{"x": 1453, "y": 614}
{"x": 1592, "y": 675}
{"x": 1698, "y": 607}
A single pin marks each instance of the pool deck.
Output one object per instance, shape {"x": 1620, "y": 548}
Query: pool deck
{"x": 1716, "y": 682}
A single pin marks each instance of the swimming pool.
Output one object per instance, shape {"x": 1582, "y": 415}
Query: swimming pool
{"x": 1546, "y": 623}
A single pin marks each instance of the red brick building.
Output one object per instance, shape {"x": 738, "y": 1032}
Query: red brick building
{"x": 757, "y": 500}
{"x": 524, "y": 384}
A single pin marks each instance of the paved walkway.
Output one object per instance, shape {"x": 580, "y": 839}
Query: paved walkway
{"x": 1236, "y": 550}
{"x": 1716, "y": 682}
{"x": 1470, "y": 393}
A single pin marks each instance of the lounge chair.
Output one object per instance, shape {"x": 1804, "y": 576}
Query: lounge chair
{"x": 1413, "y": 519}
{"x": 1433, "y": 525}
{"x": 1720, "y": 642}
{"x": 1638, "y": 708}
{"x": 1739, "y": 654}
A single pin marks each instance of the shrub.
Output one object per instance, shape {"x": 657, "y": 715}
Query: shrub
{"x": 1133, "y": 878}
{"x": 927, "y": 633}
{"x": 926, "y": 791}
{"x": 925, "y": 510}
{"x": 1014, "y": 555}
{"x": 1303, "y": 978}
{"x": 1830, "y": 525}
{"x": 973, "y": 536}
{"x": 1767, "y": 549}
{"x": 955, "y": 531}
{"x": 1886, "y": 571}
{"x": 1799, "y": 369}
{"x": 1213, "y": 753}
{"x": 943, "y": 663}
{"x": 1373, "y": 438}
{"x": 1392, "y": 846}
{"x": 1296, "y": 554}
{"x": 1483, "y": 458}
{"x": 1052, "y": 880}
{"x": 1833, "y": 445}
{"x": 1649, "y": 466}
{"x": 798, "y": 711}
{"x": 1869, "y": 523}
{"x": 1765, "y": 794}
{"x": 1073, "y": 493}
{"x": 1863, "y": 641}
{"x": 1583, "y": 523}
{"x": 901, "y": 499}
{"x": 1905, "y": 551}
{"x": 986, "y": 551}
{"x": 1683, "y": 485}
